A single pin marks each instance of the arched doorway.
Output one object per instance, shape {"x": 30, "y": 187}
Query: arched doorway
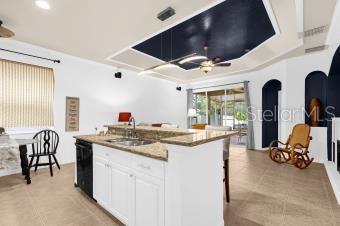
{"x": 270, "y": 107}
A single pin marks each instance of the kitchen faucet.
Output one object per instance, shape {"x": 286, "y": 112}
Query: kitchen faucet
{"x": 133, "y": 132}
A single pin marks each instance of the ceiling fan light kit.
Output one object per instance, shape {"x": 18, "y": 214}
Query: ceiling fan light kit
{"x": 206, "y": 69}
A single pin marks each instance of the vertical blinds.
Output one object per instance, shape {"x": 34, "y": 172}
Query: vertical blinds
{"x": 26, "y": 95}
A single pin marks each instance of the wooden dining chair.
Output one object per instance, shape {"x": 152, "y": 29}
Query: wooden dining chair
{"x": 47, "y": 146}
{"x": 226, "y": 147}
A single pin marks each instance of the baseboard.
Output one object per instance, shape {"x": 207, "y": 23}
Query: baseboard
{"x": 17, "y": 170}
{"x": 11, "y": 171}
{"x": 334, "y": 178}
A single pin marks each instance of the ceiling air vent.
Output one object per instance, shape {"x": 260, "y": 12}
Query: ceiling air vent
{"x": 166, "y": 14}
{"x": 315, "y": 31}
{"x": 315, "y": 49}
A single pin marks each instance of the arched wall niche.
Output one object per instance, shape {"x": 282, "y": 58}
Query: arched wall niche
{"x": 335, "y": 66}
{"x": 316, "y": 87}
{"x": 270, "y": 102}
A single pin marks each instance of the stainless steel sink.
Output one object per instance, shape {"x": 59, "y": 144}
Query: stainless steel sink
{"x": 130, "y": 142}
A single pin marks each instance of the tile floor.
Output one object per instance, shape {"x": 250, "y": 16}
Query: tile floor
{"x": 262, "y": 193}
{"x": 265, "y": 193}
{"x": 48, "y": 201}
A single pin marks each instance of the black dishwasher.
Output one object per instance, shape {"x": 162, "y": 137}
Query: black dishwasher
{"x": 85, "y": 167}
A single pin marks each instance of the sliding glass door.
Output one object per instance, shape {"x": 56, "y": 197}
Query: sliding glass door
{"x": 200, "y": 104}
{"x": 216, "y": 108}
{"x": 223, "y": 107}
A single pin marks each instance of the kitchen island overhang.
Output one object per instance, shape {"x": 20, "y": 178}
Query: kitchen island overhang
{"x": 188, "y": 166}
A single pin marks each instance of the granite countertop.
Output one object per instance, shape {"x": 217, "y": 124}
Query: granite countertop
{"x": 158, "y": 150}
{"x": 179, "y": 136}
{"x": 154, "y": 129}
{"x": 155, "y": 150}
{"x": 197, "y": 138}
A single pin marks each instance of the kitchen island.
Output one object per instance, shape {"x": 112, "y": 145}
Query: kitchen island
{"x": 177, "y": 180}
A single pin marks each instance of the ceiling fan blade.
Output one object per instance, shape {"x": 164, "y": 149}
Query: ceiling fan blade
{"x": 192, "y": 59}
{"x": 172, "y": 63}
{"x": 6, "y": 33}
{"x": 181, "y": 58}
{"x": 223, "y": 64}
{"x": 216, "y": 59}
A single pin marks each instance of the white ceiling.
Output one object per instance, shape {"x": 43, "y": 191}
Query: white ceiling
{"x": 96, "y": 30}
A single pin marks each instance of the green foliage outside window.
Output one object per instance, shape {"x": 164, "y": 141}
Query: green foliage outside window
{"x": 241, "y": 115}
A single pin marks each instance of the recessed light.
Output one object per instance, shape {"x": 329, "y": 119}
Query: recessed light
{"x": 42, "y": 4}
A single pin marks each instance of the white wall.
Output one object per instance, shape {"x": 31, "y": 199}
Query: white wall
{"x": 101, "y": 95}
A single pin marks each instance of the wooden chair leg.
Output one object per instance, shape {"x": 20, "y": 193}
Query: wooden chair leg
{"x": 36, "y": 164}
{"x": 226, "y": 179}
{"x": 56, "y": 161}
{"x": 50, "y": 162}
{"x": 31, "y": 162}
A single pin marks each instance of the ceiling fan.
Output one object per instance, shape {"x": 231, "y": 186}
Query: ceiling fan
{"x": 208, "y": 64}
{"x": 4, "y": 32}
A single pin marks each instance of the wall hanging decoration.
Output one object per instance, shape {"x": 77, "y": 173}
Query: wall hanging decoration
{"x": 72, "y": 114}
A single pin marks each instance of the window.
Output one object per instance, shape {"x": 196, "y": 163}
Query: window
{"x": 26, "y": 95}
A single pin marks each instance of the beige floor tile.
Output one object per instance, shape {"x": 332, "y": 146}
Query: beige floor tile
{"x": 262, "y": 193}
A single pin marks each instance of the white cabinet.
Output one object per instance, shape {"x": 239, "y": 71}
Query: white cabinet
{"x": 149, "y": 201}
{"x": 100, "y": 181}
{"x": 121, "y": 191}
{"x": 135, "y": 197}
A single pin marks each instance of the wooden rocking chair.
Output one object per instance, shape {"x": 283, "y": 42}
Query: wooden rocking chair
{"x": 295, "y": 150}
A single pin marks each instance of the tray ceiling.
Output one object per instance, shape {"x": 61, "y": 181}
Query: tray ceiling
{"x": 230, "y": 29}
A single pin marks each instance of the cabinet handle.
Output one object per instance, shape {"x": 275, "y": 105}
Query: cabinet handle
{"x": 131, "y": 175}
{"x": 144, "y": 167}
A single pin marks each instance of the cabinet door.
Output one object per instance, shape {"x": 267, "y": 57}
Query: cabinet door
{"x": 101, "y": 181}
{"x": 149, "y": 201}
{"x": 121, "y": 193}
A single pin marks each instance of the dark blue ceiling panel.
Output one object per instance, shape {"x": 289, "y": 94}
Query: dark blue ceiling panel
{"x": 229, "y": 29}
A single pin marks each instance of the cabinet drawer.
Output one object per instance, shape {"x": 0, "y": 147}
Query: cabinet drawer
{"x": 113, "y": 155}
{"x": 148, "y": 166}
